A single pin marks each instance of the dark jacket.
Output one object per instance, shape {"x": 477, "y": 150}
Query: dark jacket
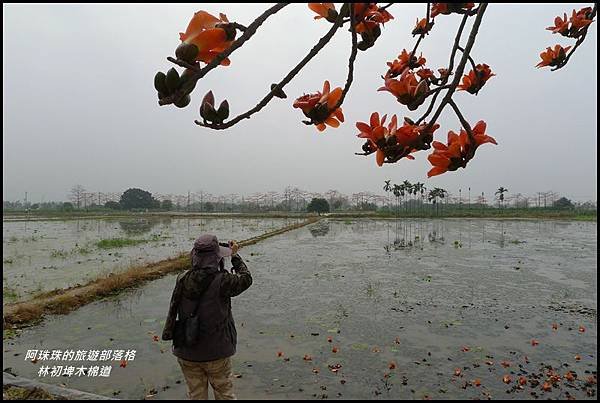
{"x": 218, "y": 336}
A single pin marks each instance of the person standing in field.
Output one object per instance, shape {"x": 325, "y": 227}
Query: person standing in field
{"x": 200, "y": 321}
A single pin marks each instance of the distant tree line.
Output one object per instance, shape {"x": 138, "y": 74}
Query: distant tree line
{"x": 400, "y": 198}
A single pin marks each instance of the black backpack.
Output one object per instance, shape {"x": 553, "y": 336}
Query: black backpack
{"x": 187, "y": 330}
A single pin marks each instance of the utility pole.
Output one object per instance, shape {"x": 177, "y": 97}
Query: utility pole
{"x": 188, "y": 202}
{"x": 482, "y": 201}
{"x": 469, "y": 205}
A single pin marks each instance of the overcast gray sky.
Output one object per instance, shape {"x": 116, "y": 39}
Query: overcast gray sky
{"x": 80, "y": 107}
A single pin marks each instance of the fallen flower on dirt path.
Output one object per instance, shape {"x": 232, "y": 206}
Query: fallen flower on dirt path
{"x": 506, "y": 379}
{"x": 392, "y": 365}
{"x": 522, "y": 381}
{"x": 123, "y": 363}
{"x": 489, "y": 362}
{"x": 155, "y": 338}
{"x": 476, "y": 382}
{"x": 534, "y": 342}
{"x": 329, "y": 339}
{"x": 315, "y": 370}
{"x": 546, "y": 387}
{"x": 457, "y": 371}
{"x": 397, "y": 341}
{"x": 569, "y": 376}
{"x": 307, "y": 357}
{"x": 591, "y": 380}
{"x": 505, "y": 364}
{"x": 577, "y": 357}
{"x": 334, "y": 367}
{"x": 464, "y": 349}
{"x": 555, "y": 326}
{"x": 335, "y": 349}
{"x": 526, "y": 359}
{"x": 375, "y": 349}
{"x": 581, "y": 329}
{"x": 280, "y": 354}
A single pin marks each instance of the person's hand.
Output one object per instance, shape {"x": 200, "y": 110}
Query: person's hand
{"x": 234, "y": 247}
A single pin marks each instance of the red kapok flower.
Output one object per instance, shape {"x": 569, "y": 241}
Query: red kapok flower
{"x": 319, "y": 107}
{"x": 324, "y": 10}
{"x": 407, "y": 90}
{"x": 368, "y": 16}
{"x": 425, "y": 74}
{"x": 422, "y": 27}
{"x": 580, "y": 20}
{"x": 209, "y": 39}
{"x": 553, "y": 57}
{"x": 404, "y": 62}
{"x": 473, "y": 81}
{"x": 449, "y": 8}
{"x": 375, "y": 132}
{"x": 459, "y": 150}
{"x": 561, "y": 26}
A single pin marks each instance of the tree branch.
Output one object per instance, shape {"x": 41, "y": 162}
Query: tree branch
{"x": 351, "y": 60}
{"x": 463, "y": 121}
{"x": 450, "y": 66}
{"x": 470, "y": 59}
{"x": 461, "y": 66}
{"x": 579, "y": 42}
{"x": 248, "y": 33}
{"x": 313, "y": 52}
{"x": 455, "y": 46}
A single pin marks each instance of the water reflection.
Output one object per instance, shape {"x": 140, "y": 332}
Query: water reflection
{"x": 142, "y": 226}
{"x": 320, "y": 229}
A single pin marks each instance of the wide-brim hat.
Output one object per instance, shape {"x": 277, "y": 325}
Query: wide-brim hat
{"x": 208, "y": 252}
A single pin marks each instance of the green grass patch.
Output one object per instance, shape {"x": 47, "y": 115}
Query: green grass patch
{"x": 119, "y": 242}
{"x": 9, "y": 294}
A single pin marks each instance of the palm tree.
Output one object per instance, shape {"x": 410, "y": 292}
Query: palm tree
{"x": 397, "y": 190}
{"x": 434, "y": 194}
{"x": 501, "y": 190}
{"x": 408, "y": 189}
{"x": 387, "y": 188}
{"x": 415, "y": 190}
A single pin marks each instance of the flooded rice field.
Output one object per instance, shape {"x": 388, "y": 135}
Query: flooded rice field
{"x": 40, "y": 256}
{"x": 373, "y": 309}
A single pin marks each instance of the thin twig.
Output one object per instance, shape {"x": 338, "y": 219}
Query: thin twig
{"x": 461, "y": 66}
{"x": 470, "y": 59}
{"x": 250, "y": 31}
{"x": 429, "y": 109}
{"x": 450, "y": 66}
{"x": 463, "y": 122}
{"x": 351, "y": 60}
{"x": 184, "y": 64}
{"x": 263, "y": 102}
{"x": 456, "y": 45}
